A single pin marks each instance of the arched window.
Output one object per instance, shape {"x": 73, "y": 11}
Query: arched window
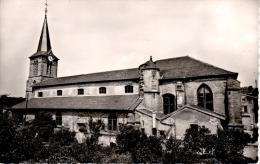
{"x": 102, "y": 90}
{"x": 112, "y": 122}
{"x": 59, "y": 92}
{"x": 35, "y": 67}
{"x": 205, "y": 97}
{"x": 129, "y": 89}
{"x": 168, "y": 103}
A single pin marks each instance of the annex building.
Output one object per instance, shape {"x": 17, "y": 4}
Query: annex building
{"x": 163, "y": 97}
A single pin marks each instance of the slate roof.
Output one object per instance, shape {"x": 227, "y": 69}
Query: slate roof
{"x": 118, "y": 102}
{"x": 172, "y": 68}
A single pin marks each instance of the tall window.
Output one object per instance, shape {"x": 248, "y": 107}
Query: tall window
{"x": 80, "y": 91}
{"x": 35, "y": 67}
{"x": 205, "y": 97}
{"x": 102, "y": 90}
{"x": 168, "y": 103}
{"x": 112, "y": 122}
{"x": 58, "y": 118}
{"x": 59, "y": 92}
{"x": 129, "y": 89}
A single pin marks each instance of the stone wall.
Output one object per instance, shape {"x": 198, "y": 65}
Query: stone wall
{"x": 90, "y": 89}
{"x": 217, "y": 87}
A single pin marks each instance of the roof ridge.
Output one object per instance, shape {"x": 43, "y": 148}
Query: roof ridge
{"x": 173, "y": 58}
{"x": 95, "y": 73}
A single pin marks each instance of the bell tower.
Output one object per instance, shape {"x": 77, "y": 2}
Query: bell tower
{"x": 43, "y": 63}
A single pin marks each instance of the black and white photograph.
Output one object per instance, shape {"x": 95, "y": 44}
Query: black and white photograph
{"x": 129, "y": 81}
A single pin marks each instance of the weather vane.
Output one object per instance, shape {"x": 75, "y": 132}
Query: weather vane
{"x": 46, "y": 4}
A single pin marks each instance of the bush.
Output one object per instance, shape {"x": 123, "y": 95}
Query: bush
{"x": 173, "y": 150}
{"x": 141, "y": 147}
{"x": 230, "y": 144}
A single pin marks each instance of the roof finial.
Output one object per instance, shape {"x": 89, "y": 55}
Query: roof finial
{"x": 46, "y": 10}
{"x": 151, "y": 58}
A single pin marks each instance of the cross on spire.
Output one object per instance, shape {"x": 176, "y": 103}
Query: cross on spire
{"x": 46, "y": 5}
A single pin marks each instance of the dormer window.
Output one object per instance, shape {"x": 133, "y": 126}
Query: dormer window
{"x": 40, "y": 94}
{"x": 80, "y": 91}
{"x": 102, "y": 90}
{"x": 59, "y": 92}
{"x": 129, "y": 89}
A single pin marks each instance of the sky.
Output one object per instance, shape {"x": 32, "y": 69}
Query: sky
{"x": 102, "y": 35}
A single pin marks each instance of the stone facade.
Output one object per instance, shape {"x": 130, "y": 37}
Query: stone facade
{"x": 90, "y": 89}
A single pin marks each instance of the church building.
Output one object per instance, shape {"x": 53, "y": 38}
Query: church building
{"x": 163, "y": 97}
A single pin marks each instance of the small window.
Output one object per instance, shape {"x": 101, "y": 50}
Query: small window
{"x": 129, "y": 89}
{"x": 58, "y": 118}
{"x": 112, "y": 122}
{"x": 40, "y": 94}
{"x": 154, "y": 131}
{"x": 194, "y": 126}
{"x": 162, "y": 133}
{"x": 245, "y": 109}
{"x": 101, "y": 124}
{"x": 142, "y": 130}
{"x": 80, "y": 91}
{"x": 102, "y": 90}
{"x": 59, "y": 92}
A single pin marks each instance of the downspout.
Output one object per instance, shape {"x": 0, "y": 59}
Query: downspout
{"x": 154, "y": 119}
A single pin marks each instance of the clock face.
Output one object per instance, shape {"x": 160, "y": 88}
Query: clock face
{"x": 50, "y": 58}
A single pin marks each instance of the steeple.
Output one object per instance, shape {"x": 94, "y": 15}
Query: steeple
{"x": 43, "y": 63}
{"x": 44, "y": 42}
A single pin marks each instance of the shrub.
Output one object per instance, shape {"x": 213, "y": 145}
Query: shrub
{"x": 230, "y": 144}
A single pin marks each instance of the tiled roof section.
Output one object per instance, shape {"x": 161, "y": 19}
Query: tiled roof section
{"x": 196, "y": 108}
{"x": 173, "y": 68}
{"x": 118, "y": 102}
{"x": 93, "y": 77}
{"x": 187, "y": 67}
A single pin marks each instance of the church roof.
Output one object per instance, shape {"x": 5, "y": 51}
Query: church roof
{"x": 118, "y": 102}
{"x": 171, "y": 69}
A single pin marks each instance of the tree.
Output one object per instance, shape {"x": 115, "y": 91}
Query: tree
{"x": 199, "y": 140}
{"x": 230, "y": 144}
{"x": 141, "y": 147}
{"x": 173, "y": 150}
{"x": 44, "y": 125}
{"x": 127, "y": 138}
{"x": 148, "y": 150}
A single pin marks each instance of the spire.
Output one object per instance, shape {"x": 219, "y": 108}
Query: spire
{"x": 44, "y": 42}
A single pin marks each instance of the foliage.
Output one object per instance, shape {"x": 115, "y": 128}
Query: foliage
{"x": 148, "y": 150}
{"x": 7, "y": 132}
{"x": 173, "y": 150}
{"x": 43, "y": 124}
{"x": 90, "y": 150}
{"x": 128, "y": 138}
{"x": 141, "y": 147}
{"x": 230, "y": 144}
{"x": 199, "y": 141}
{"x": 23, "y": 142}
